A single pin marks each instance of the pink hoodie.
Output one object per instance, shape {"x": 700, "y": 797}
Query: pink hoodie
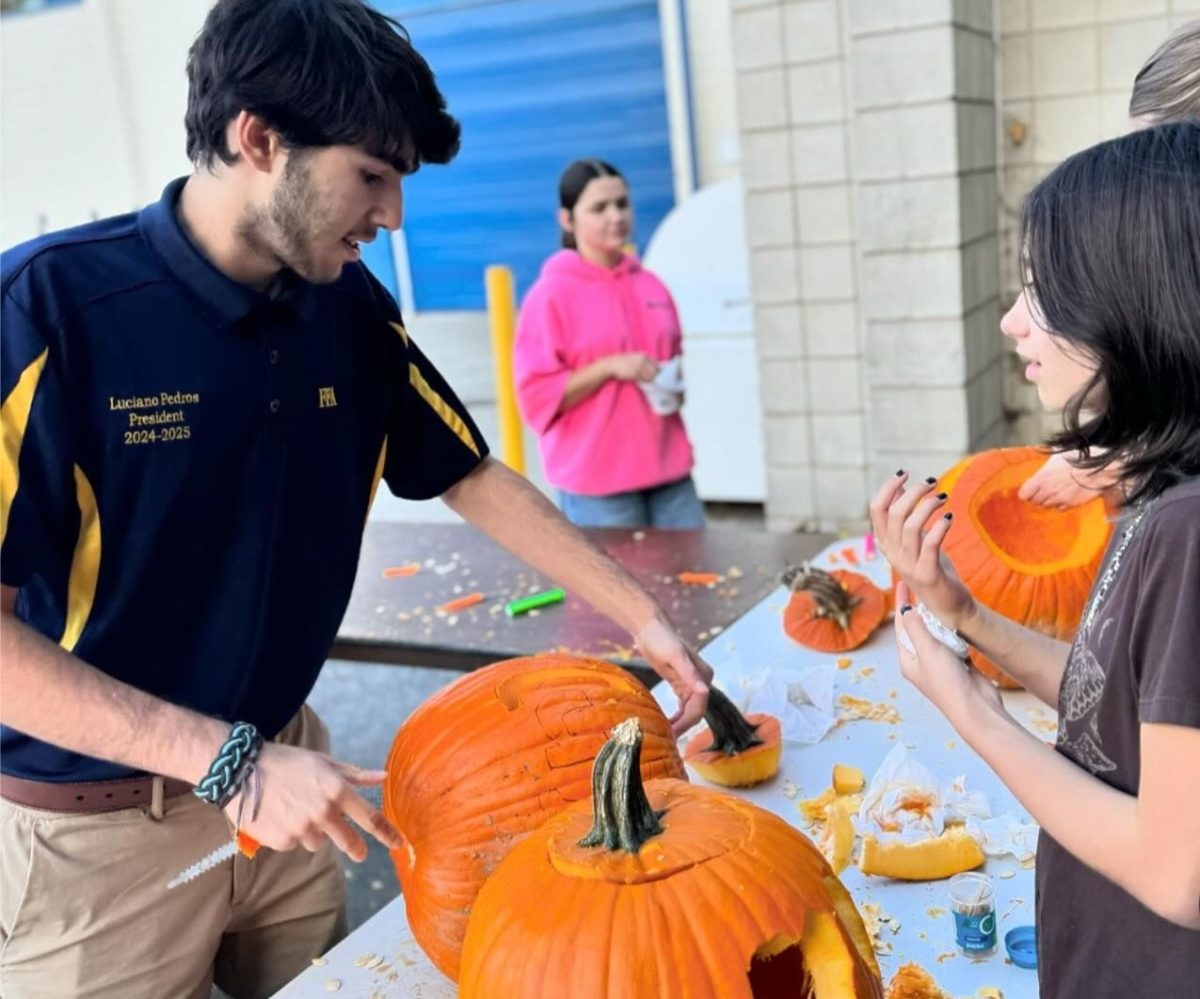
{"x": 576, "y": 313}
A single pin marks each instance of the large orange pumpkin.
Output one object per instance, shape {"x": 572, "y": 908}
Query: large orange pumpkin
{"x": 487, "y": 760}
{"x": 669, "y": 890}
{"x": 1030, "y": 563}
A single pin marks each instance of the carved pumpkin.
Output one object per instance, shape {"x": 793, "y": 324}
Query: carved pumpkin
{"x": 832, "y": 611}
{"x": 667, "y": 890}
{"x": 485, "y": 761}
{"x": 1028, "y": 562}
{"x": 735, "y": 750}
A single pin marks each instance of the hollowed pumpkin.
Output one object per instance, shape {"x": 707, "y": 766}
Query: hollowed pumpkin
{"x": 735, "y": 750}
{"x": 1031, "y": 563}
{"x": 831, "y": 611}
{"x": 485, "y": 761}
{"x": 668, "y": 889}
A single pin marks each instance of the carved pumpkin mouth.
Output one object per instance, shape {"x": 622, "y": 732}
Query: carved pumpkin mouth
{"x": 780, "y": 976}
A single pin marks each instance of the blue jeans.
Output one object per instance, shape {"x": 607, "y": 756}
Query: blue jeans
{"x": 671, "y": 505}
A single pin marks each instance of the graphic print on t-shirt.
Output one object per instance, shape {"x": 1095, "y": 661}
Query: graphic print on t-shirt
{"x": 1082, "y": 689}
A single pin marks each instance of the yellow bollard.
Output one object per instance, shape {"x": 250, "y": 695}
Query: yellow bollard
{"x": 502, "y": 315}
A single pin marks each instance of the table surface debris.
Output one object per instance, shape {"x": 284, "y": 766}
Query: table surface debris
{"x": 909, "y": 921}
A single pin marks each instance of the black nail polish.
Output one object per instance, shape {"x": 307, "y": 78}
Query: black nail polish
{"x": 942, "y": 496}
{"x": 947, "y": 516}
{"x": 905, "y": 608}
{"x": 930, "y": 480}
{"x": 899, "y": 472}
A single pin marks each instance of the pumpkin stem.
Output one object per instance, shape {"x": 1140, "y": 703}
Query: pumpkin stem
{"x": 830, "y": 598}
{"x": 732, "y": 733}
{"x": 623, "y": 816}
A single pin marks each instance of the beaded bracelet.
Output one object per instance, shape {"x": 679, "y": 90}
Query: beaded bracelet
{"x": 233, "y": 763}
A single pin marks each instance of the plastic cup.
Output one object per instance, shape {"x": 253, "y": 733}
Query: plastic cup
{"x": 973, "y": 905}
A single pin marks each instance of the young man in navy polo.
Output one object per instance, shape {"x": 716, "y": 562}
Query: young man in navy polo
{"x": 199, "y": 401}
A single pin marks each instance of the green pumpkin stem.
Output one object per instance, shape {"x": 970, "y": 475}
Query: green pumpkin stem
{"x": 830, "y": 598}
{"x": 623, "y": 816}
{"x": 732, "y": 733}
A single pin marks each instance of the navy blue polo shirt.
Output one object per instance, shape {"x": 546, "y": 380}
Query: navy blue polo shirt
{"x": 188, "y": 464}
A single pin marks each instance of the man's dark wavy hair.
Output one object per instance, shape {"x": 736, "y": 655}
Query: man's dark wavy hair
{"x": 1112, "y": 260}
{"x": 321, "y": 73}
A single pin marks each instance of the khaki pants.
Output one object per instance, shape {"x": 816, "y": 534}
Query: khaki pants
{"x": 85, "y": 912}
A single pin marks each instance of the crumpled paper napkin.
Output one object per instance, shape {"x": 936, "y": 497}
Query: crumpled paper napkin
{"x": 665, "y": 391}
{"x": 906, "y": 800}
{"x": 802, "y": 700}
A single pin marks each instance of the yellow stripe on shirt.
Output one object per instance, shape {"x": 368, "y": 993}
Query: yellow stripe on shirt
{"x": 85, "y": 564}
{"x": 14, "y": 417}
{"x": 399, "y": 328}
{"x": 441, "y": 407}
{"x": 378, "y": 474}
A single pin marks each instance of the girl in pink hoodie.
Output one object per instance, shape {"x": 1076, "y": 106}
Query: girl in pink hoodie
{"x": 596, "y": 361}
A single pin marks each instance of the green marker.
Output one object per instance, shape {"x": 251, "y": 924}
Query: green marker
{"x": 543, "y": 599}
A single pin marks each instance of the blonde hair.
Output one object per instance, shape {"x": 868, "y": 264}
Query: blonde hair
{"x": 1167, "y": 88}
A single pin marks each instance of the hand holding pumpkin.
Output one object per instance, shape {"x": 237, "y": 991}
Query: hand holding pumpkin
{"x": 898, "y": 518}
{"x": 688, "y": 675}
{"x": 1059, "y": 484}
{"x": 309, "y": 798}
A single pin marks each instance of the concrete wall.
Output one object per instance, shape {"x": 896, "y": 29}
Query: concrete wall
{"x": 886, "y": 147}
{"x": 869, "y": 163}
{"x": 1065, "y": 73}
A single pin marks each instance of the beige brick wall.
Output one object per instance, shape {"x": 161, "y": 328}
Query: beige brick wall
{"x": 1065, "y": 71}
{"x": 793, "y": 116}
{"x": 903, "y": 134}
{"x": 868, "y": 133}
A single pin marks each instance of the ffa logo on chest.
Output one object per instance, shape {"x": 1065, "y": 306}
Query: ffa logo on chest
{"x": 326, "y": 398}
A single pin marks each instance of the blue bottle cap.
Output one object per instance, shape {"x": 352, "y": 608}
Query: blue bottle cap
{"x": 1021, "y": 944}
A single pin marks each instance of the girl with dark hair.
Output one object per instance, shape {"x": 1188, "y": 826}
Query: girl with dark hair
{"x": 1166, "y": 89}
{"x": 598, "y": 368}
{"x": 1109, "y": 324}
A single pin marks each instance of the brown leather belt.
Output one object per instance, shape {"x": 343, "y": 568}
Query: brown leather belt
{"x": 88, "y": 796}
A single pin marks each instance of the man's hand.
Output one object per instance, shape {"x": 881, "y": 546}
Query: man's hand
{"x": 308, "y": 798}
{"x": 688, "y": 674}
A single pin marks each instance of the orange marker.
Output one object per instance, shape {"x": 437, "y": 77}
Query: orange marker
{"x": 396, "y": 571}
{"x": 461, "y": 603}
{"x": 699, "y": 578}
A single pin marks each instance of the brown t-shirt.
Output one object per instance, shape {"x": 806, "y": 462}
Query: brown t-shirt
{"x": 1139, "y": 663}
